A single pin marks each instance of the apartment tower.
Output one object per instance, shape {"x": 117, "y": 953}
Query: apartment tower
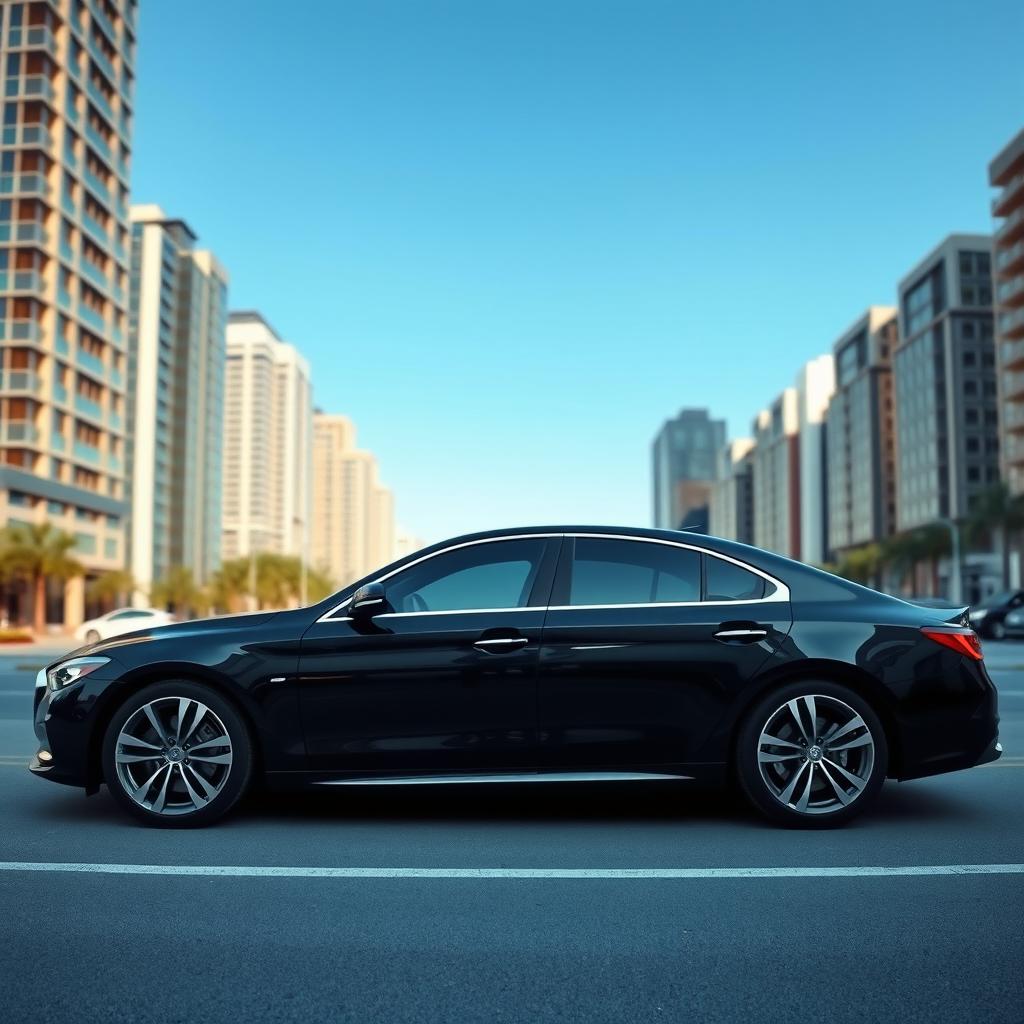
{"x": 776, "y": 476}
{"x": 177, "y": 325}
{"x": 268, "y": 439}
{"x": 861, "y": 448}
{"x": 64, "y": 249}
{"x": 732, "y": 493}
{"x": 353, "y": 519}
{"x": 944, "y": 379}
{"x": 1006, "y": 172}
{"x": 683, "y": 458}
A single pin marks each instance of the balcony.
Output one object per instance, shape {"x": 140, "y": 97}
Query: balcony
{"x": 87, "y": 407}
{"x": 1013, "y": 386}
{"x": 1011, "y": 230}
{"x": 30, "y": 87}
{"x": 116, "y": 336}
{"x": 1010, "y": 261}
{"x": 66, "y": 252}
{"x": 24, "y": 184}
{"x": 67, "y": 204}
{"x": 99, "y": 18}
{"x": 1010, "y": 197}
{"x": 94, "y": 274}
{"x": 114, "y": 421}
{"x": 60, "y": 393}
{"x": 30, "y": 231}
{"x": 39, "y": 37}
{"x": 90, "y": 363}
{"x": 34, "y": 135}
{"x": 97, "y": 186}
{"x": 64, "y": 298}
{"x": 22, "y": 330}
{"x": 86, "y": 452}
{"x": 100, "y": 101}
{"x": 1011, "y": 325}
{"x": 19, "y": 432}
{"x": 92, "y": 318}
{"x": 1013, "y": 418}
{"x": 20, "y": 382}
{"x": 30, "y": 281}
{"x": 98, "y": 142}
{"x": 1011, "y": 293}
{"x": 63, "y": 348}
{"x": 95, "y": 228}
{"x": 102, "y": 60}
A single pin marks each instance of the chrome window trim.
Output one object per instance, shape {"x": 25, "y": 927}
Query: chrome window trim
{"x": 779, "y": 596}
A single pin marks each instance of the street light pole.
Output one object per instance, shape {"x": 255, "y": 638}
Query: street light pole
{"x": 956, "y": 588}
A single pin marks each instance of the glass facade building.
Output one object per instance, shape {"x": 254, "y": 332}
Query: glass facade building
{"x": 684, "y": 457}
{"x": 68, "y": 69}
{"x": 177, "y": 332}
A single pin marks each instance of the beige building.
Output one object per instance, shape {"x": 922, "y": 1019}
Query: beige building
{"x": 776, "y": 475}
{"x": 353, "y": 529}
{"x": 1006, "y": 172}
{"x": 64, "y": 252}
{"x": 268, "y": 442}
{"x": 732, "y": 494}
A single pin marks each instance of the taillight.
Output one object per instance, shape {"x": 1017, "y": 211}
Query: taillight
{"x": 963, "y": 641}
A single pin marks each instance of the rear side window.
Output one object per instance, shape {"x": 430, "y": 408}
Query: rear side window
{"x": 632, "y": 572}
{"x": 727, "y": 581}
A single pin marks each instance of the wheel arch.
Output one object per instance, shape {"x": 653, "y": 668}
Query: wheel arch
{"x": 825, "y": 670}
{"x": 132, "y": 682}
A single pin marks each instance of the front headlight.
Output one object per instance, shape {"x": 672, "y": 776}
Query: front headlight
{"x": 68, "y": 672}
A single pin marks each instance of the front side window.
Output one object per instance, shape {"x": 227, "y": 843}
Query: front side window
{"x": 479, "y": 576}
{"x": 633, "y": 572}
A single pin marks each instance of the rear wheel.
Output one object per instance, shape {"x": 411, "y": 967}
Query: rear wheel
{"x": 177, "y": 755}
{"x": 812, "y": 755}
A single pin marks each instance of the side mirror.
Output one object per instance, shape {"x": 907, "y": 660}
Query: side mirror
{"x": 368, "y": 601}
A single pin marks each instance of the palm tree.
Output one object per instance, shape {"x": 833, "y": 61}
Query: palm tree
{"x": 997, "y": 514}
{"x": 177, "y": 591}
{"x": 36, "y": 552}
{"x": 112, "y": 588}
{"x": 229, "y": 585}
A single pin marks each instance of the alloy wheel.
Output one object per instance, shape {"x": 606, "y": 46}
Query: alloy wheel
{"x": 173, "y": 756}
{"x": 815, "y": 754}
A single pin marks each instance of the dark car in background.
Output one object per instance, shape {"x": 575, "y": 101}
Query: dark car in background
{"x": 566, "y": 654}
{"x": 988, "y": 618}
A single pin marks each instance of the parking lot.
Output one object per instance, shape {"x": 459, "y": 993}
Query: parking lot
{"x": 615, "y": 903}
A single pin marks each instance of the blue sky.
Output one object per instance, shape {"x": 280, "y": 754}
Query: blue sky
{"x": 513, "y": 236}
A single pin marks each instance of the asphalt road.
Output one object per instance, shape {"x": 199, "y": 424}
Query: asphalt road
{"x": 616, "y": 945}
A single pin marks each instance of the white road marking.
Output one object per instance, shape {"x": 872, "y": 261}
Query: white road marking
{"x": 268, "y": 871}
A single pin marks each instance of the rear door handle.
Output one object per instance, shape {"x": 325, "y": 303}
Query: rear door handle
{"x": 500, "y": 645}
{"x": 741, "y": 636}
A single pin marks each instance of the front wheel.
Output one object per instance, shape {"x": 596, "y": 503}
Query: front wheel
{"x": 177, "y": 755}
{"x": 812, "y": 755}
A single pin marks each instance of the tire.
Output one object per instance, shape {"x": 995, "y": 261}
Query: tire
{"x": 185, "y": 789}
{"x": 844, "y": 779}
{"x": 92, "y": 637}
{"x": 997, "y": 630}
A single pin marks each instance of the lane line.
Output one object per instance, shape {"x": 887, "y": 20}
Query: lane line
{"x": 229, "y": 871}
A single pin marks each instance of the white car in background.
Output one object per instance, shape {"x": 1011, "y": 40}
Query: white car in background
{"x": 121, "y": 620}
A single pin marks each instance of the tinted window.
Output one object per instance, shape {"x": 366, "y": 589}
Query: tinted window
{"x": 729, "y": 582}
{"x": 498, "y": 575}
{"x": 130, "y": 615}
{"x": 633, "y": 572}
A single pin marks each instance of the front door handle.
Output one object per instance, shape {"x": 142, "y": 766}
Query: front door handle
{"x": 500, "y": 645}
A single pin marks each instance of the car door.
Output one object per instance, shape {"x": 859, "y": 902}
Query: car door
{"x": 644, "y": 646}
{"x": 444, "y": 678}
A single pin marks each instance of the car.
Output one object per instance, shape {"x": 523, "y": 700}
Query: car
{"x": 988, "y": 618}
{"x": 564, "y": 654}
{"x": 1014, "y": 623}
{"x": 119, "y": 621}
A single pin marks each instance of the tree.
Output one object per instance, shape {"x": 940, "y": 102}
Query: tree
{"x": 861, "y": 564}
{"x": 997, "y": 514}
{"x": 36, "y": 553}
{"x": 177, "y": 591}
{"x": 229, "y": 585}
{"x": 114, "y": 587}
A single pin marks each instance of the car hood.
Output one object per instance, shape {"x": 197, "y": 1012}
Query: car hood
{"x": 179, "y": 630}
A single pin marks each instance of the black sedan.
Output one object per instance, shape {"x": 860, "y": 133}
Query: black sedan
{"x": 989, "y": 618}
{"x": 534, "y": 655}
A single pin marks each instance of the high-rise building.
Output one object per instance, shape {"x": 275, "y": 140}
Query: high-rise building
{"x": 353, "y": 514}
{"x": 814, "y": 386}
{"x": 732, "y": 494}
{"x": 177, "y": 322}
{"x": 684, "y": 456}
{"x": 268, "y": 442}
{"x": 1006, "y": 172}
{"x": 861, "y": 447}
{"x": 944, "y": 380}
{"x": 69, "y": 84}
{"x": 776, "y": 475}
{"x": 406, "y": 543}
